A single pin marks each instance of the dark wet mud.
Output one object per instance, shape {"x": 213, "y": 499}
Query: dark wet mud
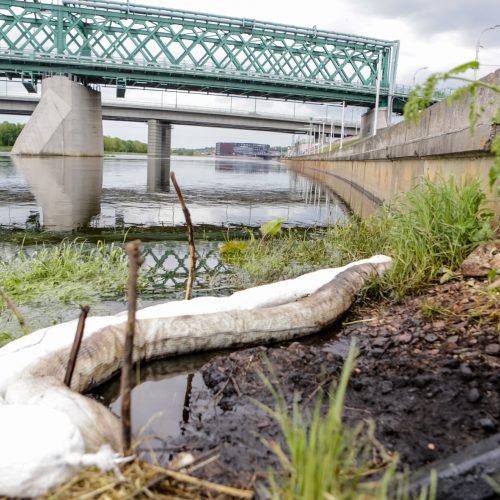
{"x": 427, "y": 374}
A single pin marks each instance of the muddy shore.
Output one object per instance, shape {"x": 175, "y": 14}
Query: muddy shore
{"x": 427, "y": 374}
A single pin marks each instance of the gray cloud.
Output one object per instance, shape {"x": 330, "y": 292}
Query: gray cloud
{"x": 431, "y": 17}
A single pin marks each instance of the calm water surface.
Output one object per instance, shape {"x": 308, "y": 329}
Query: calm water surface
{"x": 61, "y": 194}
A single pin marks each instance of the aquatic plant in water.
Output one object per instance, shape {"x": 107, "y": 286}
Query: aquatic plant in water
{"x": 66, "y": 273}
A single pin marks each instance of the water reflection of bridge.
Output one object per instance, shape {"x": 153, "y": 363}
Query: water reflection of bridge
{"x": 167, "y": 264}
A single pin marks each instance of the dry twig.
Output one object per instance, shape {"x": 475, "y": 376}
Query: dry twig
{"x": 192, "y": 251}
{"x": 15, "y": 310}
{"x": 134, "y": 263}
{"x": 77, "y": 342}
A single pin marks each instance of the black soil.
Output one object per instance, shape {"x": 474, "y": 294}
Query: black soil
{"x": 427, "y": 374}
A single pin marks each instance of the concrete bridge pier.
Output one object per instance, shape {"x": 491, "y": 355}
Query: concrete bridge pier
{"x": 159, "y": 138}
{"x": 66, "y": 122}
{"x": 368, "y": 121}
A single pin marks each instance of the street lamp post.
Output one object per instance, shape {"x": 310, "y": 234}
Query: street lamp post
{"x": 478, "y": 45}
{"x": 415, "y": 74}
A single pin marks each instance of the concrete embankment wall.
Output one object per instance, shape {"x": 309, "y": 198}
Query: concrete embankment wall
{"x": 376, "y": 169}
{"x": 365, "y": 184}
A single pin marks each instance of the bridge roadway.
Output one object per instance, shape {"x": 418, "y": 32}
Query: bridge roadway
{"x": 133, "y": 112}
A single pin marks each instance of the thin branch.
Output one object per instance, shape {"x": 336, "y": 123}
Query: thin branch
{"x": 206, "y": 485}
{"x": 187, "y": 398}
{"x": 16, "y": 312}
{"x": 135, "y": 260}
{"x": 192, "y": 251}
{"x": 77, "y": 342}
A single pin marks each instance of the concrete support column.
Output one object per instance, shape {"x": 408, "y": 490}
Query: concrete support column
{"x": 66, "y": 122}
{"x": 368, "y": 121}
{"x": 159, "y": 138}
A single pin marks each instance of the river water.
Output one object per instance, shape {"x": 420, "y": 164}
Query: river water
{"x": 91, "y": 197}
{"x": 63, "y": 194}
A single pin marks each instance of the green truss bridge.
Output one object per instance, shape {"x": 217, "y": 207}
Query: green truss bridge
{"x": 125, "y": 45}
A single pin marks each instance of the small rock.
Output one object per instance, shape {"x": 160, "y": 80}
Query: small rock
{"x": 465, "y": 372}
{"x": 423, "y": 380}
{"x": 488, "y": 424}
{"x": 439, "y": 324}
{"x": 473, "y": 395}
{"x": 431, "y": 338}
{"x": 386, "y": 387}
{"x": 380, "y": 342}
{"x": 452, "y": 340}
{"x": 482, "y": 260}
{"x": 453, "y": 363}
{"x": 493, "y": 349}
{"x": 404, "y": 338}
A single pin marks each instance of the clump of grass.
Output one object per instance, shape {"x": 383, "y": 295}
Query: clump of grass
{"x": 326, "y": 459}
{"x": 67, "y": 272}
{"x": 428, "y": 231}
{"x": 431, "y": 230}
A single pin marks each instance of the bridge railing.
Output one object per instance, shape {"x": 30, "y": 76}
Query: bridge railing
{"x": 165, "y": 66}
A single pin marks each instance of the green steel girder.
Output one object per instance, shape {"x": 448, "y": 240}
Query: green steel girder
{"x": 108, "y": 41}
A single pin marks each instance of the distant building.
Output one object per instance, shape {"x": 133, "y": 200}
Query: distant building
{"x": 247, "y": 149}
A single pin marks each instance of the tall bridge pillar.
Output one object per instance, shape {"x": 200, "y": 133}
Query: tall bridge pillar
{"x": 66, "y": 122}
{"x": 159, "y": 138}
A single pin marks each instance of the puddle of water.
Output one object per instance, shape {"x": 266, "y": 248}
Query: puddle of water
{"x": 160, "y": 401}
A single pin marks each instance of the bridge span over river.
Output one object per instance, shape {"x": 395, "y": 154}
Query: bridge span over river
{"x": 134, "y": 46}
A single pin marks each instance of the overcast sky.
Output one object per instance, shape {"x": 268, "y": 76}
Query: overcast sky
{"x": 436, "y": 34}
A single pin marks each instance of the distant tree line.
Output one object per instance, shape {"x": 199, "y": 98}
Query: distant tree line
{"x": 9, "y": 133}
{"x": 116, "y": 145}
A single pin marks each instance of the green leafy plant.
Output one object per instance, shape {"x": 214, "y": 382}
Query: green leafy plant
{"x": 271, "y": 228}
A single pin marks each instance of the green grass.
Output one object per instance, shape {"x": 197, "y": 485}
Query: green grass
{"x": 5, "y": 148}
{"x": 428, "y": 232}
{"x": 325, "y": 459}
{"x": 66, "y": 272}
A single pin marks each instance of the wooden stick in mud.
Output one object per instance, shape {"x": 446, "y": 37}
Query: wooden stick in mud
{"x": 15, "y": 311}
{"x": 135, "y": 260}
{"x": 192, "y": 251}
{"x": 77, "y": 342}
